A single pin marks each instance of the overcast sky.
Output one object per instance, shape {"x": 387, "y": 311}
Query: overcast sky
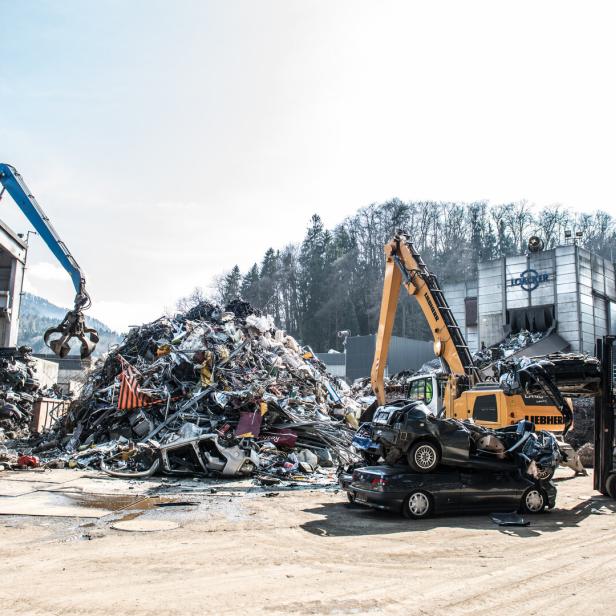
{"x": 168, "y": 141}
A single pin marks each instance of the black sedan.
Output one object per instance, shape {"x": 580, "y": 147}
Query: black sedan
{"x": 419, "y": 495}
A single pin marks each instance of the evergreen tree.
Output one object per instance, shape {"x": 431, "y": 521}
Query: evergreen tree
{"x": 313, "y": 281}
{"x": 231, "y": 285}
{"x": 334, "y": 279}
{"x": 249, "y": 289}
{"x": 269, "y": 299}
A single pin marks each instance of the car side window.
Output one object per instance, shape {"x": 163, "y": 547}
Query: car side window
{"x": 485, "y": 408}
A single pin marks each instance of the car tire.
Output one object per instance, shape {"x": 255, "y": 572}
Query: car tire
{"x": 534, "y": 500}
{"x": 418, "y": 505}
{"x": 546, "y": 474}
{"x": 423, "y": 457}
{"x": 610, "y": 486}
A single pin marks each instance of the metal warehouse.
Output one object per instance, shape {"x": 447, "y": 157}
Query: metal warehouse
{"x": 356, "y": 362}
{"x": 567, "y": 290}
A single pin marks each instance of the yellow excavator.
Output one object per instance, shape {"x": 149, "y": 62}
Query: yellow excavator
{"x": 462, "y": 391}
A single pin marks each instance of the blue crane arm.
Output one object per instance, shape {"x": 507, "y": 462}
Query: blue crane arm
{"x": 16, "y": 187}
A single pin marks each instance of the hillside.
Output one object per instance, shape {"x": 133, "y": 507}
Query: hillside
{"x": 37, "y": 315}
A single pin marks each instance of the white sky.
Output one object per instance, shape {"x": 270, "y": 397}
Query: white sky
{"x": 168, "y": 141}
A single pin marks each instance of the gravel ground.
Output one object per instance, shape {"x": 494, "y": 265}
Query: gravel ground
{"x": 236, "y": 549}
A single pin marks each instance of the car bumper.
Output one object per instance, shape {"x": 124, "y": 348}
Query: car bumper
{"x": 344, "y": 480}
{"x": 376, "y": 500}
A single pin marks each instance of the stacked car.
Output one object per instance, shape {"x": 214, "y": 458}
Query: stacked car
{"x": 433, "y": 464}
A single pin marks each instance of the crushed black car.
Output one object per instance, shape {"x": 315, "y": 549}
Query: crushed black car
{"x": 420, "y": 495}
{"x": 408, "y": 431}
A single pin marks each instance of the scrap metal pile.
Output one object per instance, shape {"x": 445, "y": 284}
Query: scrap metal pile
{"x": 212, "y": 391}
{"x": 507, "y": 347}
{"x": 576, "y": 374}
{"x": 19, "y": 389}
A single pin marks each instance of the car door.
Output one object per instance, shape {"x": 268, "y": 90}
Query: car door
{"x": 454, "y": 441}
{"x": 488, "y": 490}
{"x": 445, "y": 487}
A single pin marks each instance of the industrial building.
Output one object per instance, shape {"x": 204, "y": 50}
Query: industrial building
{"x": 356, "y": 362}
{"x": 50, "y": 369}
{"x": 13, "y": 251}
{"x": 69, "y": 370}
{"x": 567, "y": 290}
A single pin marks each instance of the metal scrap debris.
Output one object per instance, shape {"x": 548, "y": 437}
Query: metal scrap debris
{"x": 212, "y": 391}
{"x": 19, "y": 391}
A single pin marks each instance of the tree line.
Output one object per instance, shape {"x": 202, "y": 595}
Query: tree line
{"x": 332, "y": 281}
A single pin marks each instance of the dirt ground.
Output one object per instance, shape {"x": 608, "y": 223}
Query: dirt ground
{"x": 237, "y": 550}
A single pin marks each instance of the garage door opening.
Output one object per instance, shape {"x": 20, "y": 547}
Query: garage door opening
{"x": 532, "y": 319}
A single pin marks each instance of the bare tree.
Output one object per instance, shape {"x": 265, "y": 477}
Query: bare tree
{"x": 551, "y": 223}
{"x": 518, "y": 219}
{"x": 196, "y": 296}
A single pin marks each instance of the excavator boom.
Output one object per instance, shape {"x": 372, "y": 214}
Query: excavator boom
{"x": 405, "y": 266}
{"x": 73, "y": 324}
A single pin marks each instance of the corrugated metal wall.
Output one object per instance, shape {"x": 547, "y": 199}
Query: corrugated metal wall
{"x": 456, "y": 294}
{"x": 404, "y": 354}
{"x": 490, "y": 295}
{"x": 567, "y": 305}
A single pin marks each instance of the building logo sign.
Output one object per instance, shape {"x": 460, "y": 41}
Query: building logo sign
{"x": 530, "y": 279}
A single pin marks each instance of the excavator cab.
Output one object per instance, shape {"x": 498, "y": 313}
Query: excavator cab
{"x": 429, "y": 389}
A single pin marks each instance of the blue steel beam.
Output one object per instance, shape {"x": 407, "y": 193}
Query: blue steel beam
{"x": 16, "y": 187}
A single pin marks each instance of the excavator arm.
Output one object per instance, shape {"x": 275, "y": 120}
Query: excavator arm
{"x": 404, "y": 266}
{"x": 73, "y": 324}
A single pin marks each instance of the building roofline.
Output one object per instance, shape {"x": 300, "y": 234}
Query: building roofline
{"x": 18, "y": 240}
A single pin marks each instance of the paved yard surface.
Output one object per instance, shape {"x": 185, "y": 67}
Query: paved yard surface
{"x": 233, "y": 549}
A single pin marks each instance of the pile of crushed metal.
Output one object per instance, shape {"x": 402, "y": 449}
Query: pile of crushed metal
{"x": 507, "y": 347}
{"x": 19, "y": 389}
{"x": 214, "y": 392}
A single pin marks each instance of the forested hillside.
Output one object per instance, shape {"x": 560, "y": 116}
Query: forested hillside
{"x": 332, "y": 281}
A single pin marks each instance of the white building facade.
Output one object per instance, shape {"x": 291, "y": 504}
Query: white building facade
{"x": 568, "y": 289}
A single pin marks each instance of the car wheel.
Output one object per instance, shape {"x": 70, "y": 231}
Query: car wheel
{"x": 534, "y": 501}
{"x": 417, "y": 505}
{"x": 423, "y": 457}
{"x": 545, "y": 474}
{"x": 610, "y": 486}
